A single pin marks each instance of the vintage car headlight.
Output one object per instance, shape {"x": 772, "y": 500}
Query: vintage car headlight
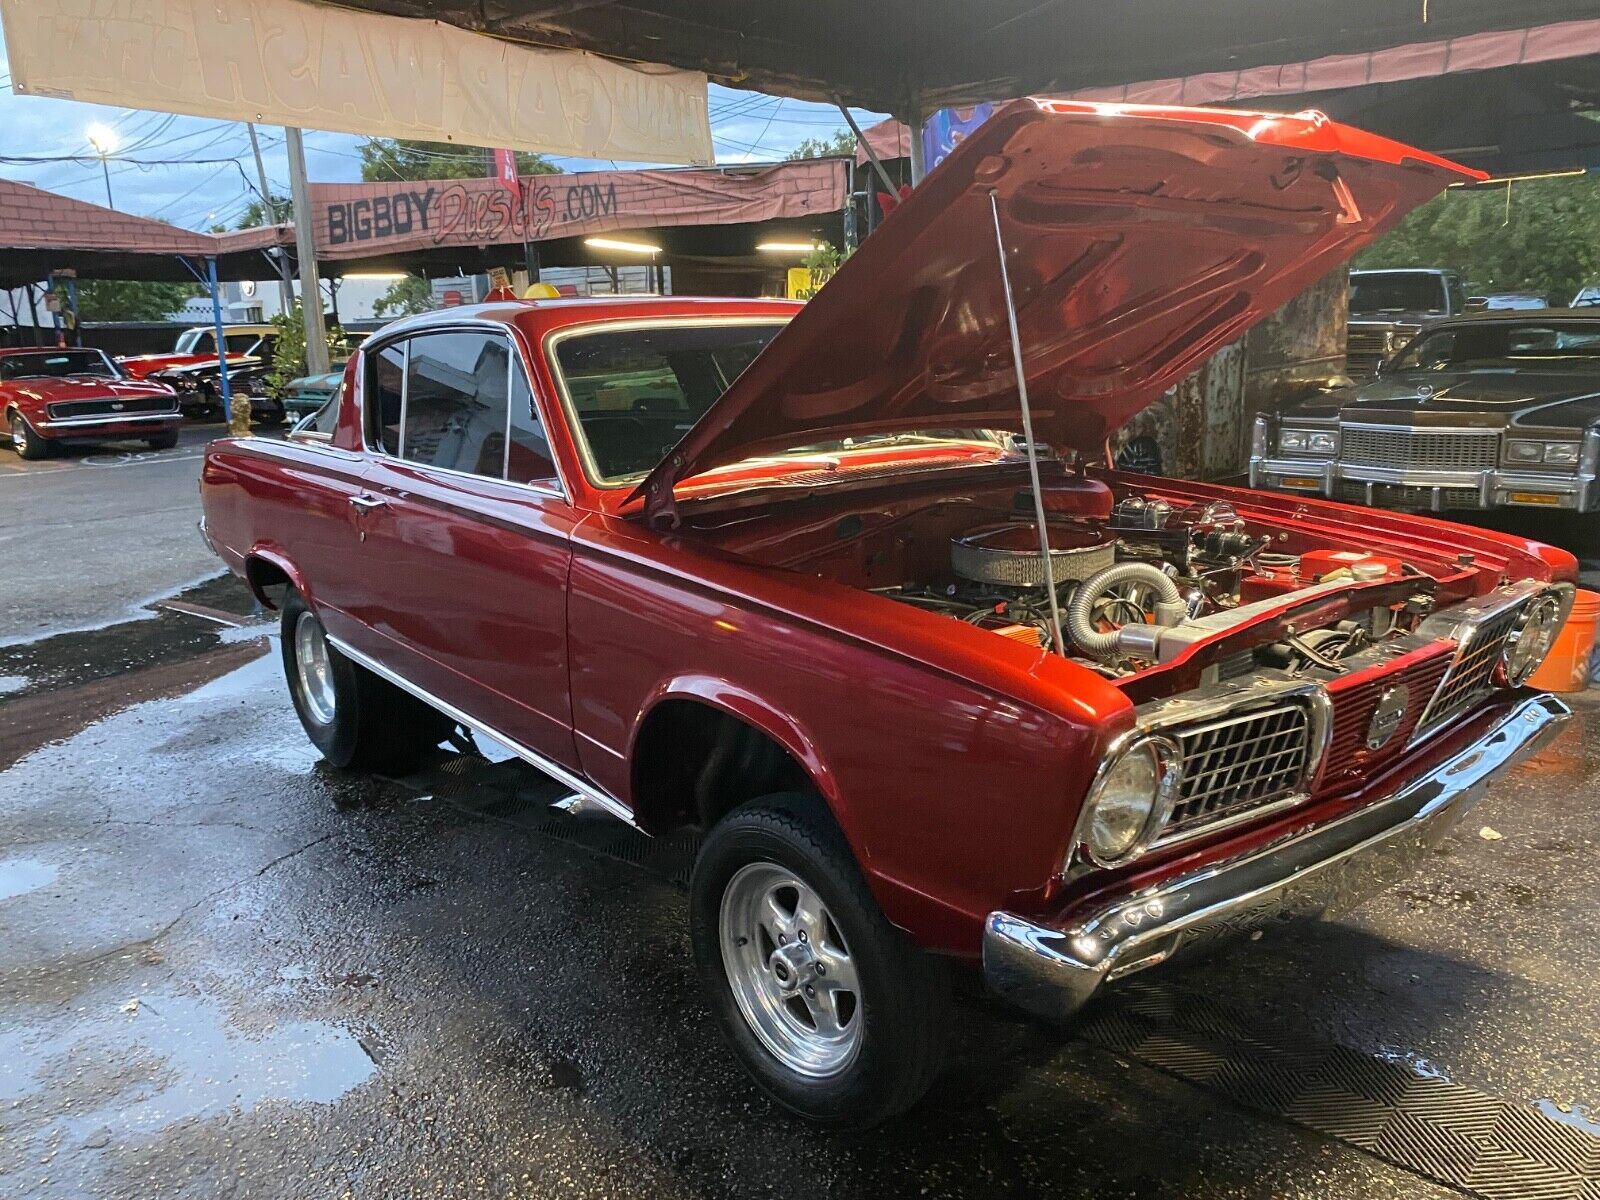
{"x": 1551, "y": 454}
{"x": 1130, "y": 800}
{"x": 1530, "y": 639}
{"x": 1308, "y": 441}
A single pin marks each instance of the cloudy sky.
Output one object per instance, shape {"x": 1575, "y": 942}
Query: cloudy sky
{"x": 196, "y": 172}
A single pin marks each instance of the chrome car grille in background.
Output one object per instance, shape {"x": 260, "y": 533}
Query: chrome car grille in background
{"x": 1238, "y": 763}
{"x": 111, "y": 408}
{"x": 1419, "y": 449}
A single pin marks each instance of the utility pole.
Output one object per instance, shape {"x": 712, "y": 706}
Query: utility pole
{"x": 268, "y": 217}
{"x": 306, "y": 252}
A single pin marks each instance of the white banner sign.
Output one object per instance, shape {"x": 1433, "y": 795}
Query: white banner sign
{"x": 289, "y": 62}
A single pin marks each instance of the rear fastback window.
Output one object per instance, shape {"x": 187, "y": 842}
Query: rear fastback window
{"x": 635, "y": 391}
{"x": 1505, "y": 345}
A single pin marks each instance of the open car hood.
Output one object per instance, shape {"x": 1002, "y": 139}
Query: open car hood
{"x": 1139, "y": 241}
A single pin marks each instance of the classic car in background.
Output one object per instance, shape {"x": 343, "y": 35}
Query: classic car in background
{"x": 50, "y": 398}
{"x": 199, "y": 384}
{"x": 1490, "y": 410}
{"x": 1389, "y": 307}
{"x": 304, "y": 396}
{"x": 786, "y": 573}
{"x": 199, "y": 345}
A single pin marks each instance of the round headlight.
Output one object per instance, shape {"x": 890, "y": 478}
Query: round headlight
{"x": 1530, "y": 639}
{"x": 1130, "y": 800}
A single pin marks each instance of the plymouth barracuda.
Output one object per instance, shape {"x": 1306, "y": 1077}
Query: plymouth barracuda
{"x": 851, "y": 588}
{"x": 1493, "y": 410}
{"x": 50, "y": 398}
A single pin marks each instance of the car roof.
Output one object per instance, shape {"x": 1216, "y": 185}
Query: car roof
{"x": 5, "y": 350}
{"x": 535, "y": 318}
{"x": 1516, "y": 315}
{"x": 1402, "y": 271}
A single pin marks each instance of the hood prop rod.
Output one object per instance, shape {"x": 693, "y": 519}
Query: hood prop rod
{"x": 1027, "y": 429}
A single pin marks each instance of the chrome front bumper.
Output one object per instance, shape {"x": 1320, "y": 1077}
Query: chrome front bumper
{"x": 1052, "y": 971}
{"x": 1576, "y": 490}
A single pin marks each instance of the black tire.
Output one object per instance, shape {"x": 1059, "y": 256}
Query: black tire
{"x": 25, "y": 441}
{"x": 163, "y": 441}
{"x": 904, "y": 1001}
{"x": 373, "y": 726}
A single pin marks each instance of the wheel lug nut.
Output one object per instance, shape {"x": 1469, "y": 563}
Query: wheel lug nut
{"x": 810, "y": 991}
{"x": 821, "y": 969}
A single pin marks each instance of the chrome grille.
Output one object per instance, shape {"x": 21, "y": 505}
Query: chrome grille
{"x": 1419, "y": 449}
{"x": 1237, "y": 763}
{"x": 1471, "y": 676}
{"x": 1355, "y": 698}
{"x": 112, "y": 408}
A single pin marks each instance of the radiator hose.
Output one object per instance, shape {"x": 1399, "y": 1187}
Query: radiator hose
{"x": 1107, "y": 645}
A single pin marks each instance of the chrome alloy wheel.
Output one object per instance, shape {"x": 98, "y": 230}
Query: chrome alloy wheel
{"x": 19, "y": 433}
{"x": 790, "y": 970}
{"x": 314, "y": 669}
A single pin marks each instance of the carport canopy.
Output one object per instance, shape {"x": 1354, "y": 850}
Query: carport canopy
{"x": 910, "y": 56}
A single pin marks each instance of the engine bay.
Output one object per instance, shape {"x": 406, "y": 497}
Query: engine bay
{"x": 1138, "y": 580}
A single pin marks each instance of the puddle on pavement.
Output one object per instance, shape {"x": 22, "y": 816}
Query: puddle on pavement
{"x": 19, "y": 876}
{"x": 134, "y": 1068}
{"x": 1575, "y": 1115}
{"x": 12, "y": 683}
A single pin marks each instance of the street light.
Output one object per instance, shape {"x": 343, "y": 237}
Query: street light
{"x": 104, "y": 140}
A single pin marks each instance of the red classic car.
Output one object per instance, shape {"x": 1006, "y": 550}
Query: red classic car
{"x": 199, "y": 345}
{"x": 935, "y": 693}
{"x": 54, "y": 397}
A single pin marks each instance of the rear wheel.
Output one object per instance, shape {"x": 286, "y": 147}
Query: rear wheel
{"x": 832, "y": 1011}
{"x": 355, "y": 719}
{"x": 25, "y": 441}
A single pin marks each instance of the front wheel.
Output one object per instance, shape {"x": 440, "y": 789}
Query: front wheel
{"x": 832, "y": 1011}
{"x": 25, "y": 441}
{"x": 163, "y": 441}
{"x": 354, "y": 718}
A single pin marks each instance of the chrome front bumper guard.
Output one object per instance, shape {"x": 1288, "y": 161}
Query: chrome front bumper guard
{"x": 70, "y": 423}
{"x": 1577, "y": 489}
{"x": 1053, "y": 971}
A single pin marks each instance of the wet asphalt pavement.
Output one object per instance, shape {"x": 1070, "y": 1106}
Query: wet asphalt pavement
{"x": 226, "y": 970}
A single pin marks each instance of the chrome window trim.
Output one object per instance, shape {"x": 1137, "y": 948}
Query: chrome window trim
{"x": 555, "y": 770}
{"x": 403, "y": 338}
{"x": 555, "y": 337}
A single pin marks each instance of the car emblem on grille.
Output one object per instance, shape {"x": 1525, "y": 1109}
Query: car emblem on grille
{"x": 116, "y": 405}
{"x": 1424, "y": 391}
{"x": 1388, "y": 716}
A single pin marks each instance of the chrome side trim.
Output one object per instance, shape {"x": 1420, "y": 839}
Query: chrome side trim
{"x": 1053, "y": 969}
{"x": 533, "y": 758}
{"x": 107, "y": 419}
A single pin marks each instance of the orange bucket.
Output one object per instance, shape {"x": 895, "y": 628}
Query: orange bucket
{"x": 1566, "y": 667}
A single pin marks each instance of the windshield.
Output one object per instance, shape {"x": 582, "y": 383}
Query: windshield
{"x": 1505, "y": 346}
{"x": 1400, "y": 291}
{"x": 55, "y": 363}
{"x": 635, "y": 392}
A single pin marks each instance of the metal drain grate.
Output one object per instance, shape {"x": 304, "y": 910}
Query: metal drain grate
{"x": 1443, "y": 1130}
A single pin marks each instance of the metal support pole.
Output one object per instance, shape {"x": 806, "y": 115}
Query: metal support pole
{"x": 1027, "y": 429}
{"x": 72, "y": 303}
{"x": 268, "y": 217}
{"x": 306, "y": 252}
{"x": 222, "y": 346}
{"x": 883, "y": 175}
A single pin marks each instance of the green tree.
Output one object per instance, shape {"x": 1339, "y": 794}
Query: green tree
{"x": 401, "y": 158}
{"x": 1540, "y": 235}
{"x": 128, "y": 300}
{"x": 255, "y": 213}
{"x": 404, "y": 297}
{"x": 839, "y": 142}
{"x": 289, "y": 347}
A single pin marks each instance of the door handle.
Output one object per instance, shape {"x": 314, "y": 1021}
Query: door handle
{"x": 365, "y": 504}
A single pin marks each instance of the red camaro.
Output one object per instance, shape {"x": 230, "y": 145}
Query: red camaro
{"x": 934, "y": 693}
{"x": 50, "y": 398}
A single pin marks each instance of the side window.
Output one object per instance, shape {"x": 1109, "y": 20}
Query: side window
{"x": 326, "y": 419}
{"x": 455, "y": 414}
{"x": 205, "y": 342}
{"x": 240, "y": 343}
{"x": 385, "y": 371}
{"x": 530, "y": 451}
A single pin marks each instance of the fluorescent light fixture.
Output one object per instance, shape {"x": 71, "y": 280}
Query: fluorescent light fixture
{"x": 375, "y": 275}
{"x": 102, "y": 137}
{"x": 604, "y": 243}
{"x": 787, "y": 247}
